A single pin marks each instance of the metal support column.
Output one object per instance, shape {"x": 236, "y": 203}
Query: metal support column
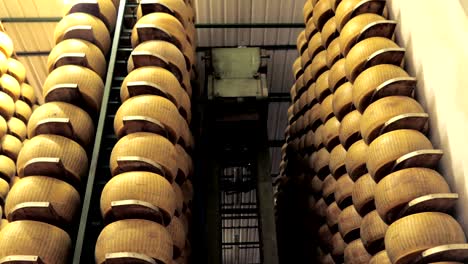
{"x": 85, "y": 241}
{"x": 266, "y": 206}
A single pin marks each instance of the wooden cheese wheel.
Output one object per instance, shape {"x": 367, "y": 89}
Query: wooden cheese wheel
{"x": 28, "y": 94}
{"x": 383, "y": 110}
{"x": 411, "y": 235}
{"x": 394, "y": 192}
{"x": 327, "y": 259}
{"x": 314, "y": 117}
{"x": 16, "y": 69}
{"x": 325, "y": 237}
{"x": 157, "y": 81}
{"x": 93, "y": 57}
{"x": 387, "y": 148}
{"x": 315, "y": 45}
{"x": 63, "y": 201}
{"x": 144, "y": 151}
{"x": 309, "y": 141}
{"x": 297, "y": 69}
{"x": 333, "y": 213}
{"x": 355, "y": 253}
{"x": 187, "y": 191}
{"x": 356, "y": 159}
{"x": 343, "y": 100}
{"x": 321, "y": 163}
{"x": 337, "y": 161}
{"x": 22, "y": 111}
{"x": 3, "y": 63}
{"x": 319, "y": 66}
{"x": 179, "y": 199}
{"x": 4, "y": 189}
{"x": 344, "y": 191}
{"x": 7, "y": 168}
{"x": 10, "y": 146}
{"x": 328, "y": 185}
{"x": 331, "y": 131}
{"x": 17, "y": 128}
{"x": 51, "y": 244}
{"x": 358, "y": 28}
{"x": 377, "y": 78}
{"x": 176, "y": 8}
{"x": 322, "y": 13}
{"x": 301, "y": 42}
{"x": 3, "y": 224}
{"x": 320, "y": 208}
{"x": 329, "y": 32}
{"x": 310, "y": 29}
{"x": 318, "y": 139}
{"x": 162, "y": 26}
{"x": 177, "y": 232}
{"x": 307, "y": 80}
{"x": 86, "y": 87}
{"x": 3, "y": 126}
{"x": 104, "y": 9}
{"x": 62, "y": 119}
{"x": 83, "y": 26}
{"x": 307, "y": 11}
{"x": 333, "y": 53}
{"x": 338, "y": 248}
{"x": 186, "y": 138}
{"x": 327, "y": 108}
{"x": 306, "y": 60}
{"x": 370, "y": 52}
{"x": 349, "y": 224}
{"x": 145, "y": 239}
{"x": 7, "y": 106}
{"x": 184, "y": 163}
{"x": 148, "y": 113}
{"x": 363, "y": 194}
{"x": 6, "y": 44}
{"x": 54, "y": 156}
{"x": 161, "y": 54}
{"x": 348, "y": 9}
{"x": 152, "y": 195}
{"x": 350, "y": 129}
{"x": 316, "y": 185}
{"x": 373, "y": 230}
{"x": 380, "y": 258}
{"x": 10, "y": 86}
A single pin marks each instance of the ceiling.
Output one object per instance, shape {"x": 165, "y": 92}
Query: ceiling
{"x": 33, "y": 40}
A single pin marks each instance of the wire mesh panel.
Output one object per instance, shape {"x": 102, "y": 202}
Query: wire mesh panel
{"x": 239, "y": 217}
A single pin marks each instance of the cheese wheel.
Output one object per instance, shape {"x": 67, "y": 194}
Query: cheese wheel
{"x": 80, "y": 123}
{"x": 142, "y": 186}
{"x": 99, "y": 34}
{"x": 135, "y": 236}
{"x": 90, "y": 86}
{"x": 51, "y": 244}
{"x": 63, "y": 198}
{"x": 106, "y": 10}
{"x": 72, "y": 157}
{"x": 94, "y": 57}
{"x": 148, "y": 148}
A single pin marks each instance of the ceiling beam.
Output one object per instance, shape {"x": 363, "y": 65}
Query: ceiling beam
{"x": 29, "y": 19}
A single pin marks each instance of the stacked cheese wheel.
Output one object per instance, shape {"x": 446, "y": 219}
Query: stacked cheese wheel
{"x": 147, "y": 203}
{"x": 355, "y": 123}
{"x": 52, "y": 165}
{"x": 17, "y": 99}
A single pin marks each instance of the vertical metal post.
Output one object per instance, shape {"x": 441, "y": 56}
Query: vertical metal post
{"x": 213, "y": 216}
{"x": 266, "y": 207}
{"x": 99, "y": 134}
